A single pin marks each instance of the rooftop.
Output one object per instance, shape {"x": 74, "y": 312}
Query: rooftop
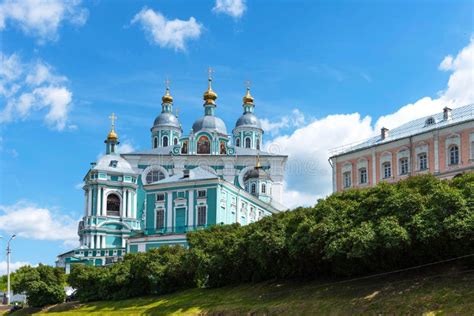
{"x": 418, "y": 126}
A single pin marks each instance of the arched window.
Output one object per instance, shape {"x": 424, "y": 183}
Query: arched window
{"x": 247, "y": 143}
{"x": 258, "y": 144}
{"x": 347, "y": 179}
{"x": 422, "y": 161}
{"x": 403, "y": 162}
{"x": 160, "y": 219}
{"x": 253, "y": 189}
{"x": 154, "y": 176}
{"x": 237, "y": 142}
{"x": 454, "y": 155}
{"x": 176, "y": 141}
{"x": 204, "y": 145}
{"x": 387, "y": 170}
{"x": 155, "y": 142}
{"x": 113, "y": 205}
{"x": 362, "y": 175}
{"x": 165, "y": 141}
{"x": 201, "y": 220}
{"x": 430, "y": 121}
{"x": 264, "y": 188}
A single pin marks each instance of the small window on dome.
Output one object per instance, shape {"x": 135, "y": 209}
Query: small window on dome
{"x": 237, "y": 142}
{"x": 430, "y": 121}
{"x": 113, "y": 163}
{"x": 176, "y": 141}
{"x": 165, "y": 141}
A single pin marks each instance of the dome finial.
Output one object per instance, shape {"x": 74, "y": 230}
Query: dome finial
{"x": 167, "y": 98}
{"x": 248, "y": 99}
{"x": 112, "y": 134}
{"x": 209, "y": 96}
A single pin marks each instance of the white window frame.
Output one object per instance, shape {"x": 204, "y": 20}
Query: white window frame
{"x": 387, "y": 171}
{"x": 422, "y": 162}
{"x": 250, "y": 142}
{"x": 457, "y": 160}
{"x": 404, "y": 166}
{"x": 160, "y": 210}
{"x": 201, "y": 196}
{"x": 363, "y": 169}
{"x": 347, "y": 179}
{"x": 162, "y": 195}
{"x": 198, "y": 215}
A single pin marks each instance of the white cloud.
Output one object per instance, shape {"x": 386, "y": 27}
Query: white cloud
{"x": 31, "y": 87}
{"x": 167, "y": 33}
{"x": 309, "y": 174}
{"x": 234, "y": 8}
{"x": 125, "y": 148}
{"x": 13, "y": 266}
{"x": 295, "y": 119}
{"x": 40, "y": 18}
{"x": 27, "y": 220}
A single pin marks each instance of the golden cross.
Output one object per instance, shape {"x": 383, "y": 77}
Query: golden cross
{"x": 167, "y": 83}
{"x": 209, "y": 73}
{"x": 247, "y": 84}
{"x": 177, "y": 112}
{"x": 112, "y": 118}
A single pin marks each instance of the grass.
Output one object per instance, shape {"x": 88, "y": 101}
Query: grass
{"x": 448, "y": 292}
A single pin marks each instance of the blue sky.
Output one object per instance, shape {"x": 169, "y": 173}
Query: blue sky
{"x": 332, "y": 71}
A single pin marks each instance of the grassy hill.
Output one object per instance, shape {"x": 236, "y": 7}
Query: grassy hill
{"x": 449, "y": 290}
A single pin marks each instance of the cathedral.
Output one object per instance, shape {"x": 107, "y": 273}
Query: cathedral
{"x": 145, "y": 199}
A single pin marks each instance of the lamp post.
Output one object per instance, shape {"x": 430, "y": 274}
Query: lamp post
{"x": 8, "y": 268}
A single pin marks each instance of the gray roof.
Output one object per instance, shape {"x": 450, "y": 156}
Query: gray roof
{"x": 155, "y": 151}
{"x": 122, "y": 165}
{"x": 210, "y": 123}
{"x": 458, "y": 115}
{"x": 248, "y": 119}
{"x": 166, "y": 119}
{"x": 241, "y": 151}
{"x": 256, "y": 173}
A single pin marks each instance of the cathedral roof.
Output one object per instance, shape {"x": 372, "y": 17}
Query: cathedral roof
{"x": 211, "y": 124}
{"x": 113, "y": 163}
{"x": 248, "y": 120}
{"x": 166, "y": 119}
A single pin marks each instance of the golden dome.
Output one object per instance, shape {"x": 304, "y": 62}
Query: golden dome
{"x": 167, "y": 98}
{"x": 112, "y": 135}
{"x": 248, "y": 99}
{"x": 209, "y": 96}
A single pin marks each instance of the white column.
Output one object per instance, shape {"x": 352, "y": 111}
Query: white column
{"x": 104, "y": 204}
{"x": 124, "y": 203}
{"x": 191, "y": 208}
{"x": 104, "y": 241}
{"x": 124, "y": 242}
{"x": 92, "y": 241}
{"x": 99, "y": 194}
{"x": 89, "y": 201}
{"x": 169, "y": 211}
{"x": 129, "y": 203}
{"x": 237, "y": 211}
{"x": 134, "y": 205}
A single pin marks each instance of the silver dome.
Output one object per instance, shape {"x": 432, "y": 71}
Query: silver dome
{"x": 167, "y": 119}
{"x": 248, "y": 119}
{"x": 210, "y": 123}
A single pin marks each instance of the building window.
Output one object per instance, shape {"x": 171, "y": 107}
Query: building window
{"x": 403, "y": 166}
{"x": 155, "y": 142}
{"x": 422, "y": 161}
{"x": 430, "y": 121}
{"x": 184, "y": 149}
{"x": 204, "y": 145}
{"x": 454, "y": 155}
{"x": 160, "y": 219}
{"x": 253, "y": 188}
{"x": 113, "y": 163}
{"x": 154, "y": 176}
{"x": 247, "y": 143}
{"x": 237, "y": 142}
{"x": 363, "y": 175}
{"x": 247, "y": 187}
{"x": 223, "y": 149}
{"x": 113, "y": 205}
{"x": 175, "y": 141}
{"x": 201, "y": 193}
{"x": 201, "y": 218}
{"x": 387, "y": 170}
{"x": 165, "y": 141}
{"x": 347, "y": 181}
{"x": 264, "y": 188}
{"x": 258, "y": 144}
{"x": 160, "y": 197}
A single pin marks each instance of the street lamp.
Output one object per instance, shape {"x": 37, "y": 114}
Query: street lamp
{"x": 8, "y": 268}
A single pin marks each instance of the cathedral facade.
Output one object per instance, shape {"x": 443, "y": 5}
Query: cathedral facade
{"x": 145, "y": 199}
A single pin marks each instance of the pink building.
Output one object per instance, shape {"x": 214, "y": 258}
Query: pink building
{"x": 441, "y": 144}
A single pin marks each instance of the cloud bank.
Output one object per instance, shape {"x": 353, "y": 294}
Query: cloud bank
{"x": 234, "y": 8}
{"x": 308, "y": 171}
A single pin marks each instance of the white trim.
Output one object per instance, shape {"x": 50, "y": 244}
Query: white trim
{"x": 191, "y": 207}
{"x": 169, "y": 211}
{"x": 153, "y": 167}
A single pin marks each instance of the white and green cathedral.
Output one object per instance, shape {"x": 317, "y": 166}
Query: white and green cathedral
{"x": 145, "y": 199}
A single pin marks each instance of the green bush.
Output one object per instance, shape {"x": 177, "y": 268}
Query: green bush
{"x": 43, "y": 285}
{"x": 390, "y": 226}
